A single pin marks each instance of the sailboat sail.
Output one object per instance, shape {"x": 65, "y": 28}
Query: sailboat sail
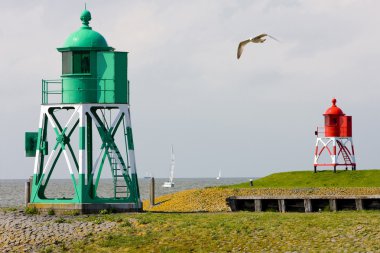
{"x": 219, "y": 175}
{"x": 170, "y": 183}
{"x": 172, "y": 166}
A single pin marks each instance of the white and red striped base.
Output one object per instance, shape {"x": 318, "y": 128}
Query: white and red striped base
{"x": 339, "y": 149}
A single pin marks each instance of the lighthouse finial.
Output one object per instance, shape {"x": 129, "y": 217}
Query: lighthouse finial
{"x": 333, "y": 101}
{"x": 85, "y": 16}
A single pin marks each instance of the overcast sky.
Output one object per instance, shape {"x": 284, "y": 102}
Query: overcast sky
{"x": 247, "y": 117}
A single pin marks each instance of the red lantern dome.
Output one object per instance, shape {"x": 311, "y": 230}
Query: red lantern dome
{"x": 336, "y": 123}
{"x": 335, "y": 110}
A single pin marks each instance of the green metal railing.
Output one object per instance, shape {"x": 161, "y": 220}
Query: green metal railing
{"x": 45, "y": 90}
{"x": 58, "y": 84}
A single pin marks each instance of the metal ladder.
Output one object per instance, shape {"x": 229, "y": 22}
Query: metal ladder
{"x": 119, "y": 185}
{"x": 346, "y": 157}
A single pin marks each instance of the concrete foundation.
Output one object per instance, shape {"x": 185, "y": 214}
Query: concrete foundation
{"x": 258, "y": 205}
{"x": 87, "y": 208}
{"x": 303, "y": 204}
{"x": 308, "y": 205}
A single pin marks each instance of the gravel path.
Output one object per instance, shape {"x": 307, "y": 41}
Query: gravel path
{"x": 29, "y": 233}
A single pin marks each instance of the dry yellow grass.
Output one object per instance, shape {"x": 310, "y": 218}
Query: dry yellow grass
{"x": 214, "y": 199}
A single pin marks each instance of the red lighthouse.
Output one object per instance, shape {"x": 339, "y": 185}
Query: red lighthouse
{"x": 337, "y": 140}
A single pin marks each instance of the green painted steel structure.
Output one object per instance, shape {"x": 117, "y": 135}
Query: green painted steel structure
{"x": 94, "y": 92}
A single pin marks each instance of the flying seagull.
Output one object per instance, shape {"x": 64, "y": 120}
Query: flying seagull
{"x": 258, "y": 39}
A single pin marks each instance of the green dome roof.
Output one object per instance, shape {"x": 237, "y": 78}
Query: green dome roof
{"x": 85, "y": 37}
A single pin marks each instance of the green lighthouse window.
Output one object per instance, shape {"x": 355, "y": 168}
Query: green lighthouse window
{"x": 75, "y": 62}
{"x": 81, "y": 62}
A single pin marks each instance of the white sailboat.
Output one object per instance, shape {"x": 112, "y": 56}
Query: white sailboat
{"x": 219, "y": 175}
{"x": 170, "y": 183}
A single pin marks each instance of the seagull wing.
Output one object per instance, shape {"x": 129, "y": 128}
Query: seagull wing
{"x": 264, "y": 35}
{"x": 273, "y": 38}
{"x": 260, "y": 36}
{"x": 241, "y": 47}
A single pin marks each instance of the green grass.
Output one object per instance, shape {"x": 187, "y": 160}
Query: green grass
{"x": 60, "y": 220}
{"x": 309, "y": 179}
{"x": 238, "y": 232}
{"x": 31, "y": 210}
{"x": 8, "y": 209}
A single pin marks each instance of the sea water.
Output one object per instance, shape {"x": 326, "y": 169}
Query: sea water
{"x": 12, "y": 191}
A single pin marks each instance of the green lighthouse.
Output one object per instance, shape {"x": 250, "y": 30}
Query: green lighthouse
{"x": 85, "y": 118}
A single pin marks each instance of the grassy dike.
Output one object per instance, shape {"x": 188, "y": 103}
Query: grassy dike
{"x": 308, "y": 179}
{"x": 199, "y": 220}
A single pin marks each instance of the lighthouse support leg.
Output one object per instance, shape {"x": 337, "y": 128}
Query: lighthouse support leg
{"x": 78, "y": 159}
{"x": 131, "y": 155}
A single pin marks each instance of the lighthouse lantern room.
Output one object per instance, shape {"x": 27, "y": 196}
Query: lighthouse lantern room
{"x": 335, "y": 140}
{"x": 85, "y": 118}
